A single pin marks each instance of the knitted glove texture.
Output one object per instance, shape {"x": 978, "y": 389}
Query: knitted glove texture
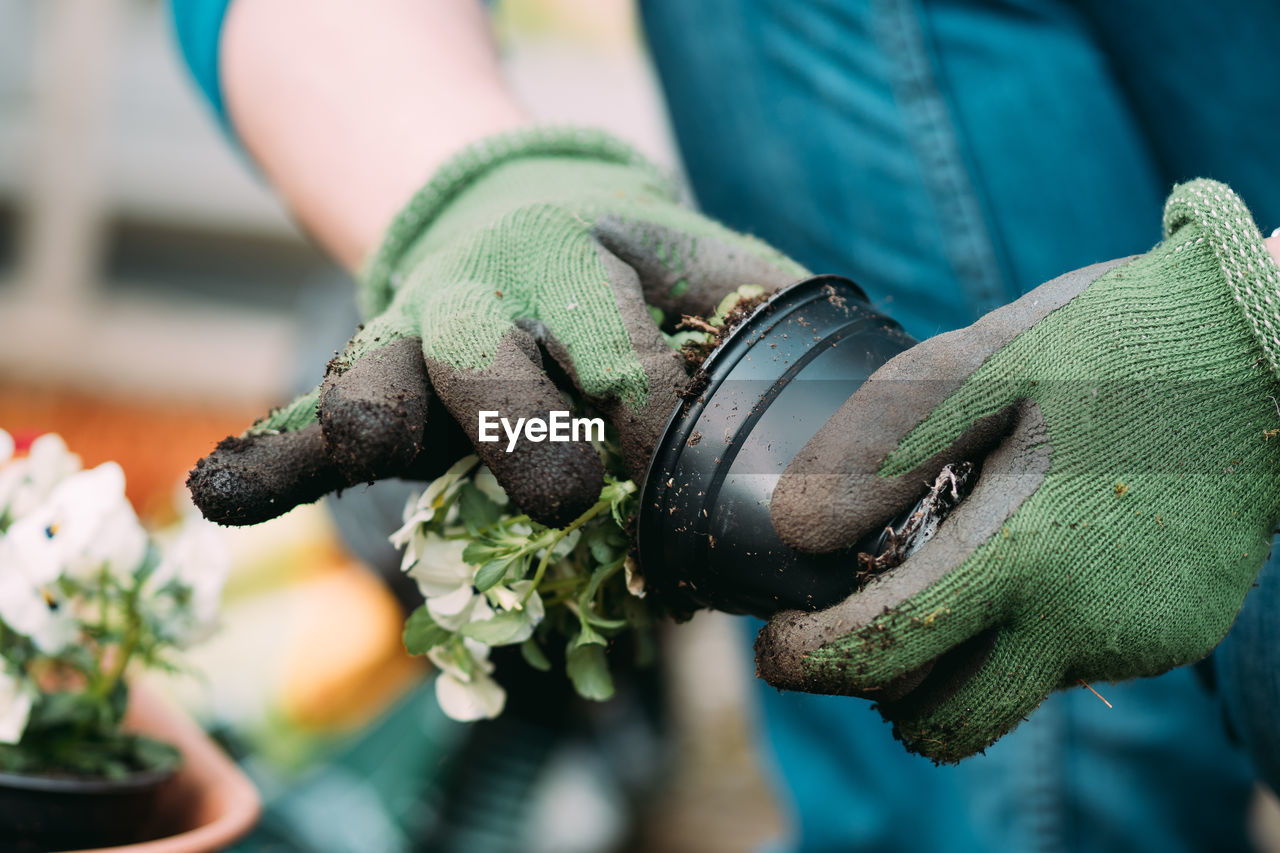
{"x": 1124, "y": 419}
{"x": 542, "y": 245}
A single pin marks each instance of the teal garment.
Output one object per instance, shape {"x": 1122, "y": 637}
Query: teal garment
{"x": 198, "y": 26}
{"x": 950, "y": 155}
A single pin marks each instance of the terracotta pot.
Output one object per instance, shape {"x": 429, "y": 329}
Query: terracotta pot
{"x": 208, "y": 803}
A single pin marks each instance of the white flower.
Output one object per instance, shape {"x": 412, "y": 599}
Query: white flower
{"x": 83, "y": 526}
{"x": 508, "y": 598}
{"x": 458, "y": 608}
{"x": 423, "y": 509}
{"x": 185, "y": 590}
{"x": 17, "y": 695}
{"x": 86, "y": 525}
{"x": 6, "y": 447}
{"x": 447, "y": 581}
{"x": 28, "y": 605}
{"x": 413, "y": 542}
{"x": 635, "y": 577}
{"x": 440, "y": 569}
{"x": 464, "y": 689}
{"x": 488, "y": 484}
{"x": 26, "y": 482}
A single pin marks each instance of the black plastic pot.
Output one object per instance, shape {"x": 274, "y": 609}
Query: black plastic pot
{"x": 43, "y": 813}
{"x": 704, "y": 536}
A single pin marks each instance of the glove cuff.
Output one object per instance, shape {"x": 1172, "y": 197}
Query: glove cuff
{"x": 379, "y": 278}
{"x": 1251, "y": 273}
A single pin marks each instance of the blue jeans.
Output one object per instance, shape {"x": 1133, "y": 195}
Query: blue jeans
{"x": 950, "y": 155}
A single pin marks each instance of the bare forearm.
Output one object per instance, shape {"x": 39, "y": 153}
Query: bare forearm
{"x": 348, "y": 107}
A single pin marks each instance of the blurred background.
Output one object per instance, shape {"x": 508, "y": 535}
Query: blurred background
{"x": 154, "y": 297}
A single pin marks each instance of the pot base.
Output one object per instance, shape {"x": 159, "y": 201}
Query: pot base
{"x": 39, "y": 814}
{"x": 704, "y": 537}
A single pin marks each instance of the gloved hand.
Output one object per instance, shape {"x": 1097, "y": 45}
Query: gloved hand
{"x": 1125, "y": 422}
{"x": 529, "y": 244}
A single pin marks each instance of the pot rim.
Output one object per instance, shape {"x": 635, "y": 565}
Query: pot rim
{"x": 727, "y": 348}
{"x": 655, "y": 513}
{"x": 137, "y": 781}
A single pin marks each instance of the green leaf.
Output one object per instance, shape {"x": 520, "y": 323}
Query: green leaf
{"x": 490, "y": 573}
{"x": 586, "y": 637}
{"x": 87, "y": 753}
{"x": 589, "y": 671}
{"x": 599, "y": 540}
{"x": 477, "y": 510}
{"x": 601, "y": 622}
{"x": 498, "y": 631}
{"x": 636, "y": 613}
{"x": 478, "y": 552}
{"x": 155, "y": 755}
{"x": 599, "y": 576}
{"x": 676, "y": 340}
{"x": 534, "y": 656}
{"x": 646, "y": 648}
{"x": 67, "y": 709}
{"x": 461, "y": 656}
{"x": 116, "y": 703}
{"x": 621, "y": 504}
{"x": 421, "y": 633}
{"x": 731, "y": 300}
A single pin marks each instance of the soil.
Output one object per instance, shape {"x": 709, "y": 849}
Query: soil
{"x": 254, "y": 477}
{"x": 892, "y": 548}
{"x": 695, "y": 352}
{"x": 236, "y": 443}
{"x": 693, "y": 390}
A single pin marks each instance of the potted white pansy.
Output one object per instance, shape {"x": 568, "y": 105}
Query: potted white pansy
{"x": 86, "y": 597}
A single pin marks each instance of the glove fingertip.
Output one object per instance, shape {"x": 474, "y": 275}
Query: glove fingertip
{"x": 780, "y": 659}
{"x": 252, "y": 478}
{"x": 810, "y": 512}
{"x": 552, "y": 479}
{"x": 373, "y": 413}
{"x": 553, "y": 483}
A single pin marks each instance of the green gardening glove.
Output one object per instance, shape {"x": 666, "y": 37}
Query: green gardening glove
{"x": 1124, "y": 423}
{"x": 529, "y": 247}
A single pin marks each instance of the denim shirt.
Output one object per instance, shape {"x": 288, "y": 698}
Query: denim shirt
{"x": 950, "y": 155}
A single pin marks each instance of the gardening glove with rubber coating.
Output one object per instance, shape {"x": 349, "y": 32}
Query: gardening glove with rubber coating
{"x": 535, "y": 244}
{"x": 1125, "y": 422}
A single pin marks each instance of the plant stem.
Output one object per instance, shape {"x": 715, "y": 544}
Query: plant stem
{"x": 599, "y": 590}
{"x": 124, "y": 653}
{"x": 557, "y": 584}
{"x": 104, "y": 685}
{"x": 591, "y": 513}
